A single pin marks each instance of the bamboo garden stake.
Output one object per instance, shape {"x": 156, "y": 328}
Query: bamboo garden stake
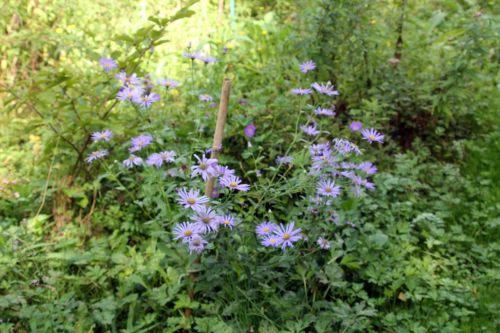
{"x": 216, "y": 147}
{"x": 219, "y": 130}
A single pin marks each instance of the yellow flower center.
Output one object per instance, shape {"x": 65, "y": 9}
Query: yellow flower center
{"x": 203, "y": 166}
{"x": 227, "y": 222}
{"x": 233, "y": 184}
{"x": 328, "y": 189}
{"x": 371, "y": 137}
{"x": 188, "y": 233}
{"x": 191, "y": 201}
{"x": 266, "y": 229}
{"x": 272, "y": 240}
{"x": 206, "y": 220}
{"x": 286, "y": 236}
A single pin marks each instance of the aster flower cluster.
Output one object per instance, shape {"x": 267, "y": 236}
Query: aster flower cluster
{"x": 205, "y": 221}
{"x": 137, "y": 90}
{"x": 336, "y": 166}
{"x": 97, "y": 137}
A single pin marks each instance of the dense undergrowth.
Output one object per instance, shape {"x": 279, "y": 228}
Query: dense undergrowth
{"x": 87, "y": 245}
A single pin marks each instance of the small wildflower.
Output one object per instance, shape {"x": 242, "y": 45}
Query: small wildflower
{"x": 301, "y": 91}
{"x": 284, "y": 159}
{"x": 129, "y": 93}
{"x": 207, "y": 59}
{"x": 154, "y": 160}
{"x": 168, "y": 83}
{"x": 192, "y": 199}
{"x": 96, "y": 155}
{"x": 224, "y": 171}
{"x": 270, "y": 241}
{"x": 206, "y": 220}
{"x": 168, "y": 156}
{"x": 323, "y": 243}
{"x": 356, "y": 126}
{"x": 102, "y": 136}
{"x": 139, "y": 142}
{"x": 310, "y": 130}
{"x": 185, "y": 231}
{"x": 324, "y": 112}
{"x": 147, "y": 100}
{"x": 108, "y": 64}
{"x": 129, "y": 80}
{"x": 326, "y": 89}
{"x": 372, "y": 135}
{"x": 191, "y": 56}
{"x": 206, "y": 167}
{"x": 132, "y": 161}
{"x": 307, "y": 66}
{"x": 343, "y": 146}
{"x": 233, "y": 183}
{"x": 265, "y": 228}
{"x": 287, "y": 235}
{"x": 227, "y": 221}
{"x": 367, "y": 167}
{"x": 328, "y": 188}
{"x": 205, "y": 98}
{"x": 196, "y": 244}
{"x": 249, "y": 130}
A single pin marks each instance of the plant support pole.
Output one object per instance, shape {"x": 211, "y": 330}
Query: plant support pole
{"x": 216, "y": 147}
{"x": 219, "y": 130}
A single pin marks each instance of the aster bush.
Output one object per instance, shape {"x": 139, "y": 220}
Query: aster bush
{"x": 322, "y": 219}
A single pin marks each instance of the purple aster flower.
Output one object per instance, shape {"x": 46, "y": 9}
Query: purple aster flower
{"x": 233, "y": 183}
{"x": 168, "y": 156}
{"x": 154, "y": 160}
{"x": 207, "y": 59}
{"x": 356, "y": 126}
{"x": 249, "y": 130}
{"x": 205, "y": 98}
{"x": 349, "y": 223}
{"x": 108, "y": 64}
{"x": 323, "y": 161}
{"x": 191, "y": 56}
{"x": 324, "y": 112}
{"x": 328, "y": 188}
{"x": 343, "y": 146}
{"x": 191, "y": 199}
{"x": 326, "y": 89}
{"x": 368, "y": 185}
{"x": 129, "y": 80}
{"x": 96, "y": 155}
{"x": 132, "y": 161}
{"x": 310, "y": 129}
{"x": 196, "y": 244}
{"x": 265, "y": 229}
{"x": 284, "y": 160}
{"x": 212, "y": 105}
{"x": 224, "y": 171}
{"x": 140, "y": 142}
{"x": 372, "y": 135}
{"x": 301, "y": 91}
{"x": 102, "y": 136}
{"x": 323, "y": 243}
{"x": 270, "y": 241}
{"x": 320, "y": 149}
{"x": 206, "y": 220}
{"x": 367, "y": 167}
{"x": 307, "y": 66}
{"x": 206, "y": 167}
{"x": 168, "y": 83}
{"x": 129, "y": 93}
{"x": 348, "y": 165}
{"x": 287, "y": 235}
{"x": 227, "y": 221}
{"x": 147, "y": 100}
{"x": 185, "y": 231}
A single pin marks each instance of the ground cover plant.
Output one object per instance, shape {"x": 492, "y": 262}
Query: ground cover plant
{"x": 355, "y": 185}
